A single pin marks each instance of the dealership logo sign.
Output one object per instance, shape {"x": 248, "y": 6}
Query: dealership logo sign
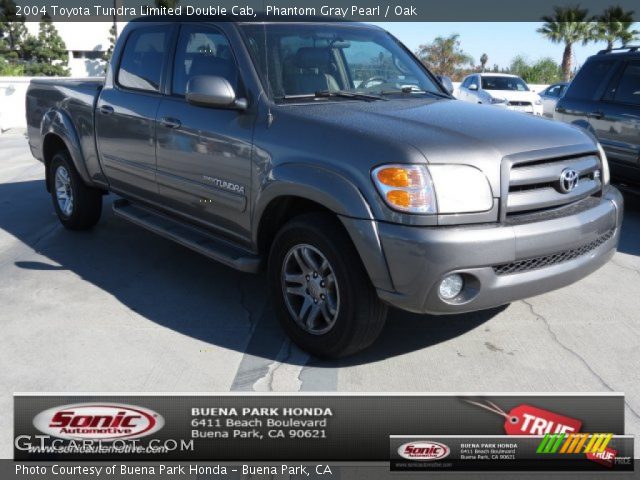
{"x": 424, "y": 451}
{"x": 98, "y": 421}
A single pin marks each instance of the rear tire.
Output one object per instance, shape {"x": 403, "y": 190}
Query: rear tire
{"x": 321, "y": 292}
{"x": 77, "y": 205}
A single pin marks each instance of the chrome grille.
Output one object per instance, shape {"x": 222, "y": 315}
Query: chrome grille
{"x": 536, "y": 185}
{"x": 553, "y": 259}
{"x": 516, "y": 103}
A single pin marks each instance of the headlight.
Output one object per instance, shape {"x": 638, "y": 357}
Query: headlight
{"x": 495, "y": 100}
{"x": 407, "y": 188}
{"x": 461, "y": 189}
{"x": 436, "y": 188}
{"x": 606, "y": 175}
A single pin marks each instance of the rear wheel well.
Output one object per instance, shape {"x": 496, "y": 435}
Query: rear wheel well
{"x": 279, "y": 212}
{"x": 50, "y": 146}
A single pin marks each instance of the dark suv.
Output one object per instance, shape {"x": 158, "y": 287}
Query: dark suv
{"x": 604, "y": 99}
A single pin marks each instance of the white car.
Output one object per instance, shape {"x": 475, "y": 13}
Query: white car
{"x": 501, "y": 90}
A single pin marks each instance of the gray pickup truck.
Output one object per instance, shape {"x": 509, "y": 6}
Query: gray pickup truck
{"x": 328, "y": 154}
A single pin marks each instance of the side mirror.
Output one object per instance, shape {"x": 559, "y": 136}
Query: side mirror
{"x": 473, "y": 86}
{"x": 213, "y": 91}
{"x": 446, "y": 82}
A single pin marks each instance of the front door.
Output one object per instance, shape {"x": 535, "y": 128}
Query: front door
{"x": 203, "y": 153}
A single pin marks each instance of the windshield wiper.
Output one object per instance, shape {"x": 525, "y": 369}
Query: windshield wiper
{"x": 415, "y": 90}
{"x": 335, "y": 93}
{"x": 348, "y": 94}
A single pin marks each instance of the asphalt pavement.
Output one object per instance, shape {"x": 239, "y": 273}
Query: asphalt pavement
{"x": 119, "y": 309}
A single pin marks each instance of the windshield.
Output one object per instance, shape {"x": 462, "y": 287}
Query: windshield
{"x": 299, "y": 60}
{"x": 504, "y": 83}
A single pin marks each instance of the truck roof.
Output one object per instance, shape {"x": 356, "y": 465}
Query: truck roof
{"x": 260, "y": 18}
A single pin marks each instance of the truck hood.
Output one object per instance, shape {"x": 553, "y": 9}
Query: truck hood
{"x": 444, "y": 131}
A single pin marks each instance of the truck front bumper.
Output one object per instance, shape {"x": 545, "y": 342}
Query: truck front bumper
{"x": 499, "y": 263}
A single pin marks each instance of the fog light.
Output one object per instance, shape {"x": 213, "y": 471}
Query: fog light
{"x": 451, "y": 286}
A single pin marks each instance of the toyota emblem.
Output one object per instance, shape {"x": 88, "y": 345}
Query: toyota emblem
{"x": 568, "y": 180}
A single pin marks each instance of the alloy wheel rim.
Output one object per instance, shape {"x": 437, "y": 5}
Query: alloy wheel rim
{"x": 64, "y": 192}
{"x": 310, "y": 289}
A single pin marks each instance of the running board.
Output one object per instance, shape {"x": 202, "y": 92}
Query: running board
{"x": 189, "y": 236}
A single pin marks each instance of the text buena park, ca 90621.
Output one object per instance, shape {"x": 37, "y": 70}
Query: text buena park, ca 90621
{"x": 59, "y": 11}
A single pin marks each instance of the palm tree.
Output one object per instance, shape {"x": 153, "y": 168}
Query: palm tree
{"x": 568, "y": 25}
{"x": 615, "y": 24}
{"x": 444, "y": 56}
{"x": 483, "y": 61}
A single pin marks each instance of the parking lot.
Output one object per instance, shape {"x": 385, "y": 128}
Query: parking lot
{"x": 121, "y": 309}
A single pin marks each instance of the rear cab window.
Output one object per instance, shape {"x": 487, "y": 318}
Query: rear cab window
{"x": 143, "y": 59}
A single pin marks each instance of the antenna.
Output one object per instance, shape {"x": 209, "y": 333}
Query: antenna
{"x": 266, "y": 73}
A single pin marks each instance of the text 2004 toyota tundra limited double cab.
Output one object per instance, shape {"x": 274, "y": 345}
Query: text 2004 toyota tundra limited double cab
{"x": 330, "y": 155}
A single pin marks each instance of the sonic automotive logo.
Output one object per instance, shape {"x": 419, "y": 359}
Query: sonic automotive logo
{"x": 424, "y": 451}
{"x": 98, "y": 421}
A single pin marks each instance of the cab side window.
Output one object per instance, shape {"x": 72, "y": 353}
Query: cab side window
{"x": 202, "y": 51}
{"x": 143, "y": 58}
{"x": 628, "y": 90}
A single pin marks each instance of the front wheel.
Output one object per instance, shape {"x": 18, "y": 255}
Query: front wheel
{"x": 77, "y": 205}
{"x": 321, "y": 292}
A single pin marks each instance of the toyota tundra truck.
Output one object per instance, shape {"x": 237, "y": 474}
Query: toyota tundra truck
{"x": 327, "y": 154}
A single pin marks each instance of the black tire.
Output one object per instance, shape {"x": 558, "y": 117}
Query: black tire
{"x": 360, "y": 314}
{"x": 86, "y": 207}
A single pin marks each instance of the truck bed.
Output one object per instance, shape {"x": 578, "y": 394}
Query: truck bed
{"x": 74, "y": 97}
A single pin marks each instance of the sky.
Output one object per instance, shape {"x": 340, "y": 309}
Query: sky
{"x": 501, "y": 41}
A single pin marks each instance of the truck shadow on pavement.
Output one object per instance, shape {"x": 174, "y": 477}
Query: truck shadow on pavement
{"x": 182, "y": 291}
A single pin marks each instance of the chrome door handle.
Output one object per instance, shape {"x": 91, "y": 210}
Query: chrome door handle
{"x": 105, "y": 109}
{"x": 170, "y": 122}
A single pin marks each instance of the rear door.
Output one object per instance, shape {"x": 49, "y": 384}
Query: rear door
{"x": 204, "y": 153}
{"x": 618, "y": 128}
{"x": 126, "y": 112}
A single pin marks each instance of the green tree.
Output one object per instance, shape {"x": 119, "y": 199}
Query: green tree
{"x": 112, "y": 43}
{"x": 444, "y": 56}
{"x": 483, "y": 61}
{"x": 615, "y": 24}
{"x": 568, "y": 25}
{"x": 13, "y": 32}
{"x": 47, "y": 53}
{"x": 544, "y": 70}
{"x": 520, "y": 66}
{"x": 10, "y": 69}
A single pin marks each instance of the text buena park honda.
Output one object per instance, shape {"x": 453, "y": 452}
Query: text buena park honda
{"x": 191, "y": 469}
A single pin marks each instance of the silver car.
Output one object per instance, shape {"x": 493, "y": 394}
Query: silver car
{"x": 550, "y": 97}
